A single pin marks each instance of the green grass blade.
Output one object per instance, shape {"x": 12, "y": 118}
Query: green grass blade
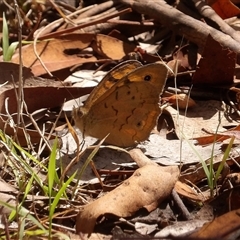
{"x": 29, "y": 156}
{"x": 26, "y": 166}
{"x": 36, "y": 232}
{"x": 204, "y": 165}
{"x": 5, "y": 38}
{"x": 21, "y": 229}
{"x": 24, "y": 213}
{"x": 51, "y": 178}
{"x": 11, "y": 50}
{"x": 225, "y": 156}
{"x": 27, "y": 189}
{"x": 52, "y": 168}
{"x": 59, "y": 194}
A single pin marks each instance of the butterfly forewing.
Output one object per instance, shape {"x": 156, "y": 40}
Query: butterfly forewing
{"x": 154, "y": 74}
{"x": 111, "y": 78}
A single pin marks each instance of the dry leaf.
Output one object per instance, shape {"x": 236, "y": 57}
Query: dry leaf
{"x": 204, "y": 140}
{"x": 216, "y": 66}
{"x": 147, "y": 187}
{"x": 205, "y": 115}
{"x": 57, "y": 54}
{"x": 110, "y": 47}
{"x": 165, "y": 155}
{"x": 186, "y": 57}
{"x": 182, "y": 100}
{"x": 9, "y": 72}
{"x": 184, "y": 190}
{"x": 218, "y": 229}
{"x": 224, "y": 8}
{"x": 35, "y": 98}
{"x": 179, "y": 230}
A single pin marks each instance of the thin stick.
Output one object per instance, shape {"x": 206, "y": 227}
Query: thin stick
{"x": 206, "y": 11}
{"x": 100, "y": 20}
{"x": 20, "y": 80}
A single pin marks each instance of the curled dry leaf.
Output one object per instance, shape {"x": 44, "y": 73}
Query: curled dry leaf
{"x": 184, "y": 190}
{"x": 182, "y": 100}
{"x": 184, "y": 59}
{"x": 147, "y": 187}
{"x": 176, "y": 66}
{"x": 204, "y": 115}
{"x": 111, "y": 47}
{"x": 220, "y": 137}
{"x": 218, "y": 229}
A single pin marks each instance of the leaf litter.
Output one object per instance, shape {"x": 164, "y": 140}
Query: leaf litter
{"x": 123, "y": 193}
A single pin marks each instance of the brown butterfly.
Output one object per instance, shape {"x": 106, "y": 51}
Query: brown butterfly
{"x": 124, "y": 105}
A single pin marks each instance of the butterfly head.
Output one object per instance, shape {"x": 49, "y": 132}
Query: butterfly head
{"x": 77, "y": 114}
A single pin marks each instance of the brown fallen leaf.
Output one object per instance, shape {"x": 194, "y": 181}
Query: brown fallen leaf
{"x": 182, "y": 100}
{"x": 147, "y": 187}
{"x": 220, "y": 137}
{"x": 57, "y": 54}
{"x": 110, "y": 47}
{"x": 9, "y": 72}
{"x": 204, "y": 116}
{"x": 184, "y": 190}
{"x": 216, "y": 65}
{"x": 184, "y": 58}
{"x": 35, "y": 98}
{"x": 226, "y": 226}
{"x": 232, "y": 133}
{"x": 224, "y": 8}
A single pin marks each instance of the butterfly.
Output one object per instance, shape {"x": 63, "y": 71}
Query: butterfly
{"x": 125, "y": 104}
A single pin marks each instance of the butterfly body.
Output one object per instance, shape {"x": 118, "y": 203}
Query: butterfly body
{"x": 127, "y": 108}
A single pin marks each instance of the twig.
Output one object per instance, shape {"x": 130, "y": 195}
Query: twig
{"x": 39, "y": 131}
{"x": 194, "y": 30}
{"x": 97, "y": 9}
{"x": 20, "y": 80}
{"x": 100, "y": 20}
{"x": 53, "y": 24}
{"x": 134, "y": 23}
{"x": 206, "y": 11}
{"x": 66, "y": 18}
{"x": 180, "y": 205}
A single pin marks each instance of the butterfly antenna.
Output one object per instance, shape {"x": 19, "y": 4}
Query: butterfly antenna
{"x": 62, "y": 83}
{"x": 82, "y": 143}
